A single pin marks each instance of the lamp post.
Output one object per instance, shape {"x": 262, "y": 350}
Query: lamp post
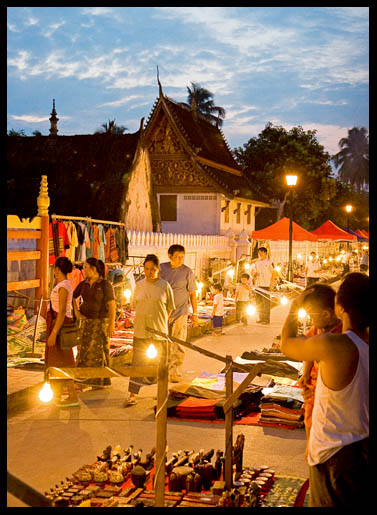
{"x": 348, "y": 209}
{"x": 291, "y": 182}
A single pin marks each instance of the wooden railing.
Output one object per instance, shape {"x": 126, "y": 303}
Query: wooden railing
{"x": 36, "y": 229}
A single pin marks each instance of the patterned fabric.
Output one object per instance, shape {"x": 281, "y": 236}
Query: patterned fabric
{"x": 58, "y": 241}
{"x": 54, "y": 356}
{"x": 94, "y": 348}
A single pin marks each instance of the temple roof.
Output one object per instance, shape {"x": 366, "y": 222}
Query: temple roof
{"x": 207, "y": 145}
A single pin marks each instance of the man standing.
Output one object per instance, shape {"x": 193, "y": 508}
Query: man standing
{"x": 182, "y": 280}
{"x": 338, "y": 443}
{"x": 264, "y": 276}
{"x": 312, "y": 270}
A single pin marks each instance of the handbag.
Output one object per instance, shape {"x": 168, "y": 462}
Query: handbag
{"x": 69, "y": 334}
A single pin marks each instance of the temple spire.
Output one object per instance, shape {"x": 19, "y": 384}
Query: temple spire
{"x": 159, "y": 83}
{"x": 53, "y": 120}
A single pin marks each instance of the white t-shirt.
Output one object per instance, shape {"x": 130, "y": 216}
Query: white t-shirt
{"x": 218, "y": 300}
{"x": 242, "y": 292}
{"x": 55, "y": 297}
{"x": 264, "y": 269}
{"x": 313, "y": 268}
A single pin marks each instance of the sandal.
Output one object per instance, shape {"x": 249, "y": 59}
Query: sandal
{"x": 131, "y": 401}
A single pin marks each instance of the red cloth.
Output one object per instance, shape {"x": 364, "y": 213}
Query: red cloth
{"x": 75, "y": 277}
{"x": 280, "y": 231}
{"x": 63, "y": 241}
{"x": 330, "y": 231}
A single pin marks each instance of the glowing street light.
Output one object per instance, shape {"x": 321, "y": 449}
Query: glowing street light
{"x": 291, "y": 182}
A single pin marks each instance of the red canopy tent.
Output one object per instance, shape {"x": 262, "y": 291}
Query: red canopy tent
{"x": 330, "y": 231}
{"x": 362, "y": 233}
{"x": 280, "y": 231}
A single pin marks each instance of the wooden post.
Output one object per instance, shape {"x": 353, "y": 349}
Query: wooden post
{"x": 42, "y": 263}
{"x": 228, "y": 426}
{"x": 161, "y": 423}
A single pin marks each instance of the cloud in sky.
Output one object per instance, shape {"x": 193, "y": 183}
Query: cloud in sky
{"x": 304, "y": 66}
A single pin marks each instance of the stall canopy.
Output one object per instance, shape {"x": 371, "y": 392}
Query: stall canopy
{"x": 330, "y": 231}
{"x": 280, "y": 231}
{"x": 359, "y": 238}
{"x": 362, "y": 233}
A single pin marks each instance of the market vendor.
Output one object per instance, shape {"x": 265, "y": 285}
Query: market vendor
{"x": 338, "y": 443}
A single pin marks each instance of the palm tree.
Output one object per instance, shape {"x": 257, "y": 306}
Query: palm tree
{"x": 202, "y": 99}
{"x": 353, "y": 159}
{"x": 111, "y": 128}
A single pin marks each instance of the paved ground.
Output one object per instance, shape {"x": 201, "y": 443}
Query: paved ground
{"x": 46, "y": 444}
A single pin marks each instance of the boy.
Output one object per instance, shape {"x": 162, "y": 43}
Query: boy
{"x": 242, "y": 297}
{"x": 218, "y": 310}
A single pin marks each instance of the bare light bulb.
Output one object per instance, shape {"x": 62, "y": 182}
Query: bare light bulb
{"x": 301, "y": 313}
{"x": 127, "y": 293}
{"x": 46, "y": 393}
{"x": 251, "y": 309}
{"x": 151, "y": 351}
{"x": 284, "y": 300}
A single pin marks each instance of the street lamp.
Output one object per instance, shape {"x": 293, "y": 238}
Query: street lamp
{"x": 348, "y": 209}
{"x": 291, "y": 182}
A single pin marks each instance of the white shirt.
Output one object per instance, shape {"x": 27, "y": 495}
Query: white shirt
{"x": 264, "y": 271}
{"x": 313, "y": 268}
{"x": 340, "y": 417}
{"x": 242, "y": 292}
{"x": 55, "y": 297}
{"x": 218, "y": 300}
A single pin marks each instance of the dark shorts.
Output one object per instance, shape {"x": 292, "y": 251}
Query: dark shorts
{"x": 342, "y": 480}
{"x": 217, "y": 321}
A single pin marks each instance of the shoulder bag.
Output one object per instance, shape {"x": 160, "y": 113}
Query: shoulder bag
{"x": 69, "y": 334}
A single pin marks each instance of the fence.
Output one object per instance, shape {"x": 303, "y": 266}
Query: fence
{"x": 34, "y": 233}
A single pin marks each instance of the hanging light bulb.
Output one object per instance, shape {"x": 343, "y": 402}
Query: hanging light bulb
{"x": 251, "y": 309}
{"x": 301, "y": 314}
{"x": 278, "y": 268}
{"x": 299, "y": 256}
{"x": 46, "y": 393}
{"x": 151, "y": 351}
{"x": 247, "y": 266}
{"x": 127, "y": 293}
{"x": 230, "y": 273}
{"x": 284, "y": 300}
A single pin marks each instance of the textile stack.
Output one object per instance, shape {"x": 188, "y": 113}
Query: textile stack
{"x": 282, "y": 404}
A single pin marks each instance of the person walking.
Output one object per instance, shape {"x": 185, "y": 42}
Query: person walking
{"x": 59, "y": 313}
{"x": 218, "y": 310}
{"x": 264, "y": 276}
{"x": 364, "y": 261}
{"x": 182, "y": 280}
{"x": 97, "y": 315}
{"x": 312, "y": 269}
{"x": 339, "y": 437}
{"x": 242, "y": 297}
{"x": 319, "y": 305}
{"x": 153, "y": 301}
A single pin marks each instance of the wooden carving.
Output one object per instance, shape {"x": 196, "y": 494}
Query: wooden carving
{"x": 174, "y": 173}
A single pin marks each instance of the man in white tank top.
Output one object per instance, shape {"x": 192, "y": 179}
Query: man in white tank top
{"x": 338, "y": 444}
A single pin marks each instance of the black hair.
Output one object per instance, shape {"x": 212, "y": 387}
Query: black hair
{"x": 323, "y": 296}
{"x": 153, "y": 258}
{"x": 98, "y": 264}
{"x": 263, "y": 249}
{"x": 64, "y": 264}
{"x": 217, "y": 286}
{"x": 175, "y": 248}
{"x": 353, "y": 296}
{"x": 245, "y": 275}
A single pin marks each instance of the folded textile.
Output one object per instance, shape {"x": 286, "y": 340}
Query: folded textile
{"x": 283, "y": 392}
{"x": 265, "y": 356}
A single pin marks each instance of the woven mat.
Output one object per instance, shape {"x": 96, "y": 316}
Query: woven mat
{"x": 288, "y": 491}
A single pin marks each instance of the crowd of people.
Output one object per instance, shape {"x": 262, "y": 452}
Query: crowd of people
{"x": 335, "y": 352}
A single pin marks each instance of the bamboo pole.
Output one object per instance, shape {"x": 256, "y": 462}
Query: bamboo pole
{"x": 228, "y": 426}
{"x": 161, "y": 423}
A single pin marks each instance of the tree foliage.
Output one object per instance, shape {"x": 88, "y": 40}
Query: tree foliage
{"x": 205, "y": 104}
{"x": 276, "y": 152}
{"x": 352, "y": 160}
{"x": 111, "y": 128}
{"x": 13, "y": 132}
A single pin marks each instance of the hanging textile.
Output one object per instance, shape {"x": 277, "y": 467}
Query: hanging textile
{"x": 102, "y": 242}
{"x": 73, "y": 241}
{"x": 96, "y": 241}
{"x": 89, "y": 244}
{"x": 58, "y": 241}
